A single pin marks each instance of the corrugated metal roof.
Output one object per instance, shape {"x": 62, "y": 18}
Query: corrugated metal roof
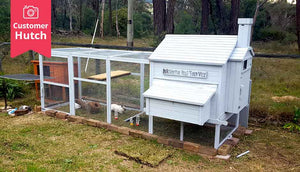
{"x": 199, "y": 49}
{"x": 182, "y": 92}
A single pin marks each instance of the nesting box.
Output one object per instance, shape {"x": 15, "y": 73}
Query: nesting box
{"x": 201, "y": 79}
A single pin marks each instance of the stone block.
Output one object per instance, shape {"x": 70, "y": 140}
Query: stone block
{"x": 189, "y": 146}
{"x": 175, "y": 143}
{"x": 224, "y": 149}
{"x": 51, "y": 113}
{"x": 61, "y": 115}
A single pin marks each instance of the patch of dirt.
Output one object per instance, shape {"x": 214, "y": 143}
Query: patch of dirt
{"x": 140, "y": 161}
{"x": 285, "y": 99}
{"x": 261, "y": 116}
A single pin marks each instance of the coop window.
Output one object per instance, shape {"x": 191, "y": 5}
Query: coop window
{"x": 245, "y": 64}
{"x": 46, "y": 70}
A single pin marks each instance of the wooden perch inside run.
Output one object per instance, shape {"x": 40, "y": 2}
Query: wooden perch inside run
{"x": 114, "y": 74}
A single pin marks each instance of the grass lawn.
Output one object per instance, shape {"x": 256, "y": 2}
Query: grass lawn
{"x": 40, "y": 143}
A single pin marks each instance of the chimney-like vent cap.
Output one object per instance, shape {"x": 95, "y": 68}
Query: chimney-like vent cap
{"x": 245, "y": 21}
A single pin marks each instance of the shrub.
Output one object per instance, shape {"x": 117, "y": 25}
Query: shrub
{"x": 12, "y": 89}
{"x": 294, "y": 126}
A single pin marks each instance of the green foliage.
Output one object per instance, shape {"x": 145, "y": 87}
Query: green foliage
{"x": 4, "y": 20}
{"x": 89, "y": 21}
{"x": 142, "y": 25}
{"x": 296, "y": 118}
{"x": 185, "y": 24}
{"x": 11, "y": 88}
{"x": 294, "y": 126}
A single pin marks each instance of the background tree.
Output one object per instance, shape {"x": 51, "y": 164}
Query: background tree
{"x": 220, "y": 14}
{"x": 234, "y": 14}
{"x": 298, "y": 22}
{"x": 205, "y": 16}
{"x": 159, "y": 16}
{"x": 170, "y": 16}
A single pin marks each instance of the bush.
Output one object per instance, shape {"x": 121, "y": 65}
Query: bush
{"x": 12, "y": 89}
{"x": 4, "y": 20}
{"x": 294, "y": 126}
{"x": 185, "y": 24}
{"x": 271, "y": 34}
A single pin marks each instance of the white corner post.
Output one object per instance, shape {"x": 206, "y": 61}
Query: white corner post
{"x": 244, "y": 33}
{"x": 142, "y": 80}
{"x": 71, "y": 85}
{"x": 108, "y": 91}
{"x": 42, "y": 81}
{"x": 181, "y": 131}
{"x": 217, "y": 136}
{"x": 150, "y": 125}
{"x": 79, "y": 76}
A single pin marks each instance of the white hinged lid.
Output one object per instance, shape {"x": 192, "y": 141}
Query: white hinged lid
{"x": 181, "y": 92}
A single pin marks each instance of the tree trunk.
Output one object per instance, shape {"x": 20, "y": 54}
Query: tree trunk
{"x": 102, "y": 19}
{"x": 4, "y": 92}
{"x": 258, "y": 5}
{"x": 205, "y": 16}
{"x": 117, "y": 23}
{"x": 234, "y": 14}
{"x": 221, "y": 16}
{"x": 1, "y": 59}
{"x": 53, "y": 15}
{"x": 159, "y": 16}
{"x": 170, "y": 16}
{"x": 65, "y": 14}
{"x": 110, "y": 18}
{"x": 298, "y": 22}
{"x": 80, "y": 14}
{"x": 70, "y": 14}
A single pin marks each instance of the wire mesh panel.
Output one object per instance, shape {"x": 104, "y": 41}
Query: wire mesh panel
{"x": 226, "y": 130}
{"x": 92, "y": 102}
{"x": 56, "y": 97}
{"x": 57, "y": 69}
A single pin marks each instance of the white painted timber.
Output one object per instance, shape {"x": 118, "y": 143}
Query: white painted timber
{"x": 195, "y": 49}
{"x": 192, "y": 93}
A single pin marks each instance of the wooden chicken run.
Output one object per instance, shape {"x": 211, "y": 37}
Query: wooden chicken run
{"x": 196, "y": 79}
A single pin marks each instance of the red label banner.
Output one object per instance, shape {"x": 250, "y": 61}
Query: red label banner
{"x": 30, "y": 27}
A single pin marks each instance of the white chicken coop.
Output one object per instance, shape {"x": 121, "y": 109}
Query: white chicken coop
{"x": 202, "y": 79}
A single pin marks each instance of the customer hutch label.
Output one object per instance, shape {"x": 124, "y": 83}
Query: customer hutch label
{"x": 185, "y": 73}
